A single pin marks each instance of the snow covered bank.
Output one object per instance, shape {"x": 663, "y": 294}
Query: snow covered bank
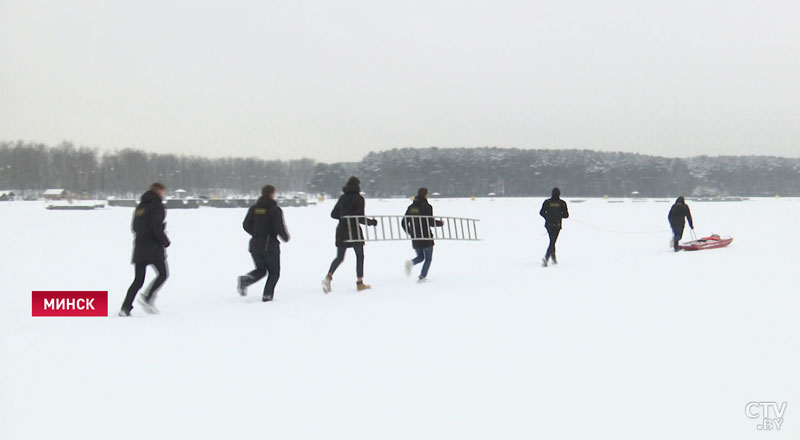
{"x": 623, "y": 339}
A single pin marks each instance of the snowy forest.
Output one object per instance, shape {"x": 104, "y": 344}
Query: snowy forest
{"x": 30, "y": 168}
{"x": 452, "y": 172}
{"x": 456, "y": 172}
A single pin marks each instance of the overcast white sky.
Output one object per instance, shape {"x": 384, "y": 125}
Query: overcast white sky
{"x": 334, "y": 80}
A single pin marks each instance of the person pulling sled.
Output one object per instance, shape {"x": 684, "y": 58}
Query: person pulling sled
{"x": 677, "y": 217}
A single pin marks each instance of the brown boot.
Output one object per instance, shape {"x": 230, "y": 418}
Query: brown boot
{"x": 361, "y": 286}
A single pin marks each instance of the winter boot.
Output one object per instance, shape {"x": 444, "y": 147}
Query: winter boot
{"x": 544, "y": 262}
{"x": 124, "y": 313}
{"x": 326, "y": 284}
{"x": 147, "y": 305}
{"x": 361, "y": 286}
{"x": 266, "y": 298}
{"x": 241, "y": 286}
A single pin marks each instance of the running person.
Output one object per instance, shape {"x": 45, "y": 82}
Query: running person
{"x": 264, "y": 223}
{"x": 420, "y": 231}
{"x": 351, "y": 202}
{"x": 553, "y": 210}
{"x": 148, "y": 249}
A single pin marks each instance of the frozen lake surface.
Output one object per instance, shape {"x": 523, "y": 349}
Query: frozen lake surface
{"x": 622, "y": 340}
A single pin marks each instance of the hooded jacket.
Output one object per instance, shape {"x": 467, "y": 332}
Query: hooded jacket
{"x": 554, "y": 210}
{"x": 264, "y": 223}
{"x": 420, "y": 228}
{"x": 148, "y": 226}
{"x": 679, "y": 213}
{"x": 349, "y": 203}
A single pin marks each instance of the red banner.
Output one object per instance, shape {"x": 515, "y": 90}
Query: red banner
{"x": 69, "y": 303}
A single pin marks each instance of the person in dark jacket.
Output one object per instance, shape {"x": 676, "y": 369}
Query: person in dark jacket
{"x": 420, "y": 231}
{"x": 149, "y": 244}
{"x": 351, "y": 202}
{"x": 553, "y": 210}
{"x": 678, "y": 215}
{"x": 264, "y": 223}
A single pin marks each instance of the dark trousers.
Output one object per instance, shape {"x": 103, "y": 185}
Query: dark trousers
{"x": 424, "y": 255}
{"x": 359, "y": 250}
{"x": 553, "y": 232}
{"x": 677, "y": 235}
{"x": 138, "y": 282}
{"x": 265, "y": 263}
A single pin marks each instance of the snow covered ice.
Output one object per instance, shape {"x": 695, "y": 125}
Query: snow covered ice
{"x": 622, "y": 340}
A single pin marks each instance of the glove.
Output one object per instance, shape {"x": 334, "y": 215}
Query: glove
{"x": 372, "y": 222}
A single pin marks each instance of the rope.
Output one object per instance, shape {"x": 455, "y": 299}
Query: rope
{"x": 612, "y": 231}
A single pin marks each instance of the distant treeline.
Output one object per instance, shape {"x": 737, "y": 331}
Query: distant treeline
{"x": 465, "y": 172}
{"x": 84, "y": 171}
{"x": 452, "y": 172}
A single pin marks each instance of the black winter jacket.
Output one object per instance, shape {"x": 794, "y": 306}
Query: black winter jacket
{"x": 350, "y": 203}
{"x": 679, "y": 213}
{"x": 554, "y": 210}
{"x": 148, "y": 225}
{"x": 264, "y": 223}
{"x": 420, "y": 227}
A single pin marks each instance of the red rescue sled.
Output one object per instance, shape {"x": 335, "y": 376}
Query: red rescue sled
{"x": 711, "y": 242}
